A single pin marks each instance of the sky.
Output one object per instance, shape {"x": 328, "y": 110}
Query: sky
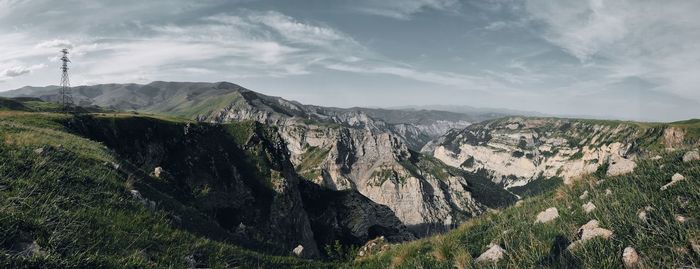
{"x": 636, "y": 59}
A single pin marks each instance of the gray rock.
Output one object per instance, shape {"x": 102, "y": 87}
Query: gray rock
{"x": 39, "y": 151}
{"x": 548, "y": 215}
{"x": 674, "y": 179}
{"x": 589, "y": 207}
{"x": 589, "y": 231}
{"x": 630, "y": 258}
{"x": 690, "y": 156}
{"x": 157, "y": 171}
{"x": 494, "y": 254}
{"x": 584, "y": 196}
{"x": 298, "y": 251}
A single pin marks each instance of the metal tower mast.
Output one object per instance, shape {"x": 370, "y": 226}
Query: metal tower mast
{"x": 66, "y": 96}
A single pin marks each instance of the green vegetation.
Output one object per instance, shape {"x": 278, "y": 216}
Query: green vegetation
{"x": 538, "y": 186}
{"x": 61, "y": 193}
{"x": 311, "y": 160}
{"x": 661, "y": 241}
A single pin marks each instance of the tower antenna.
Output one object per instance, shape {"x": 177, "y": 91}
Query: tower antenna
{"x": 66, "y": 96}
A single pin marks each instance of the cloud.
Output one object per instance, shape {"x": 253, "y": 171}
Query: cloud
{"x": 56, "y": 43}
{"x": 654, "y": 41}
{"x": 403, "y": 9}
{"x": 20, "y": 70}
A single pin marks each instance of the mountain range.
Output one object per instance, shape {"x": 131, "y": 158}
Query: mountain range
{"x": 229, "y": 164}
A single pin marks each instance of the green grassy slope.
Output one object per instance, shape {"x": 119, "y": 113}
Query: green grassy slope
{"x": 61, "y": 196}
{"x": 661, "y": 241}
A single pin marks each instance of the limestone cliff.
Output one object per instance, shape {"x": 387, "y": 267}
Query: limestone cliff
{"x": 516, "y": 151}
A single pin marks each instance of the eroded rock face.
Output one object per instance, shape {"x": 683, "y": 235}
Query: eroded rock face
{"x": 516, "y": 151}
{"x": 352, "y": 151}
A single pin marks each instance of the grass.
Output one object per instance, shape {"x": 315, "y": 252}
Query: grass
{"x": 70, "y": 200}
{"x": 661, "y": 241}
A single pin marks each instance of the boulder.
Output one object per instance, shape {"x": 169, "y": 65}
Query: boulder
{"x": 298, "y": 251}
{"x": 519, "y": 203}
{"x": 588, "y": 207}
{"x": 157, "y": 171}
{"x": 374, "y": 246}
{"x": 548, "y": 215}
{"x": 589, "y": 231}
{"x": 681, "y": 219}
{"x": 494, "y": 254}
{"x": 690, "y": 156}
{"x": 674, "y": 179}
{"x": 608, "y": 192}
{"x": 695, "y": 245}
{"x": 621, "y": 166}
{"x": 630, "y": 258}
{"x": 584, "y": 196}
{"x": 39, "y": 151}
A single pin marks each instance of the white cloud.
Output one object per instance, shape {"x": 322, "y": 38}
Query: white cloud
{"x": 656, "y": 41}
{"x": 403, "y": 9}
{"x": 20, "y": 70}
{"x": 56, "y": 43}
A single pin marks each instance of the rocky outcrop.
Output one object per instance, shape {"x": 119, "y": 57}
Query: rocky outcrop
{"x": 349, "y": 150}
{"x": 589, "y": 231}
{"x": 516, "y": 151}
{"x": 239, "y": 182}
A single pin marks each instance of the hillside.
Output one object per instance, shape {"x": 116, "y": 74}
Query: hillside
{"x": 338, "y": 149}
{"x": 525, "y": 153}
{"x": 643, "y": 218}
{"x": 114, "y": 190}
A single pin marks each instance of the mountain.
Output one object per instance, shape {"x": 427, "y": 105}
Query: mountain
{"x": 520, "y": 153}
{"x": 337, "y": 149}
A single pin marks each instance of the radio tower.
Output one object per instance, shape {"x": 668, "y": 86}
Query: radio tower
{"x": 66, "y": 97}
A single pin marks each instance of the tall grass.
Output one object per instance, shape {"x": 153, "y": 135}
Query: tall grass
{"x": 661, "y": 241}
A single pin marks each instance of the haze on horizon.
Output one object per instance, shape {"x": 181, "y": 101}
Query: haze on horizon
{"x": 613, "y": 59}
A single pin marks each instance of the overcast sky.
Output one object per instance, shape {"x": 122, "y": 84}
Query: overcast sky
{"x": 636, "y": 59}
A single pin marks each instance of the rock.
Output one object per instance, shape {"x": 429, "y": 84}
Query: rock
{"x": 519, "y": 203}
{"x": 656, "y": 158}
{"x": 642, "y": 215}
{"x": 373, "y": 247}
{"x": 630, "y": 258}
{"x": 589, "y": 231}
{"x": 39, "y": 151}
{"x": 157, "y": 171}
{"x": 584, "y": 196}
{"x": 608, "y": 192}
{"x": 30, "y": 249}
{"x": 674, "y": 179}
{"x": 621, "y": 166}
{"x": 548, "y": 215}
{"x": 681, "y": 219}
{"x": 493, "y": 254}
{"x": 588, "y": 207}
{"x": 298, "y": 251}
{"x": 695, "y": 245}
{"x": 690, "y": 156}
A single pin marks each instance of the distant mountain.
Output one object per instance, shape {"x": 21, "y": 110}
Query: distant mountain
{"x": 480, "y": 113}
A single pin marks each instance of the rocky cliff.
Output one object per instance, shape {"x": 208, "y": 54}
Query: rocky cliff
{"x": 338, "y": 149}
{"x": 516, "y": 151}
{"x": 239, "y": 177}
